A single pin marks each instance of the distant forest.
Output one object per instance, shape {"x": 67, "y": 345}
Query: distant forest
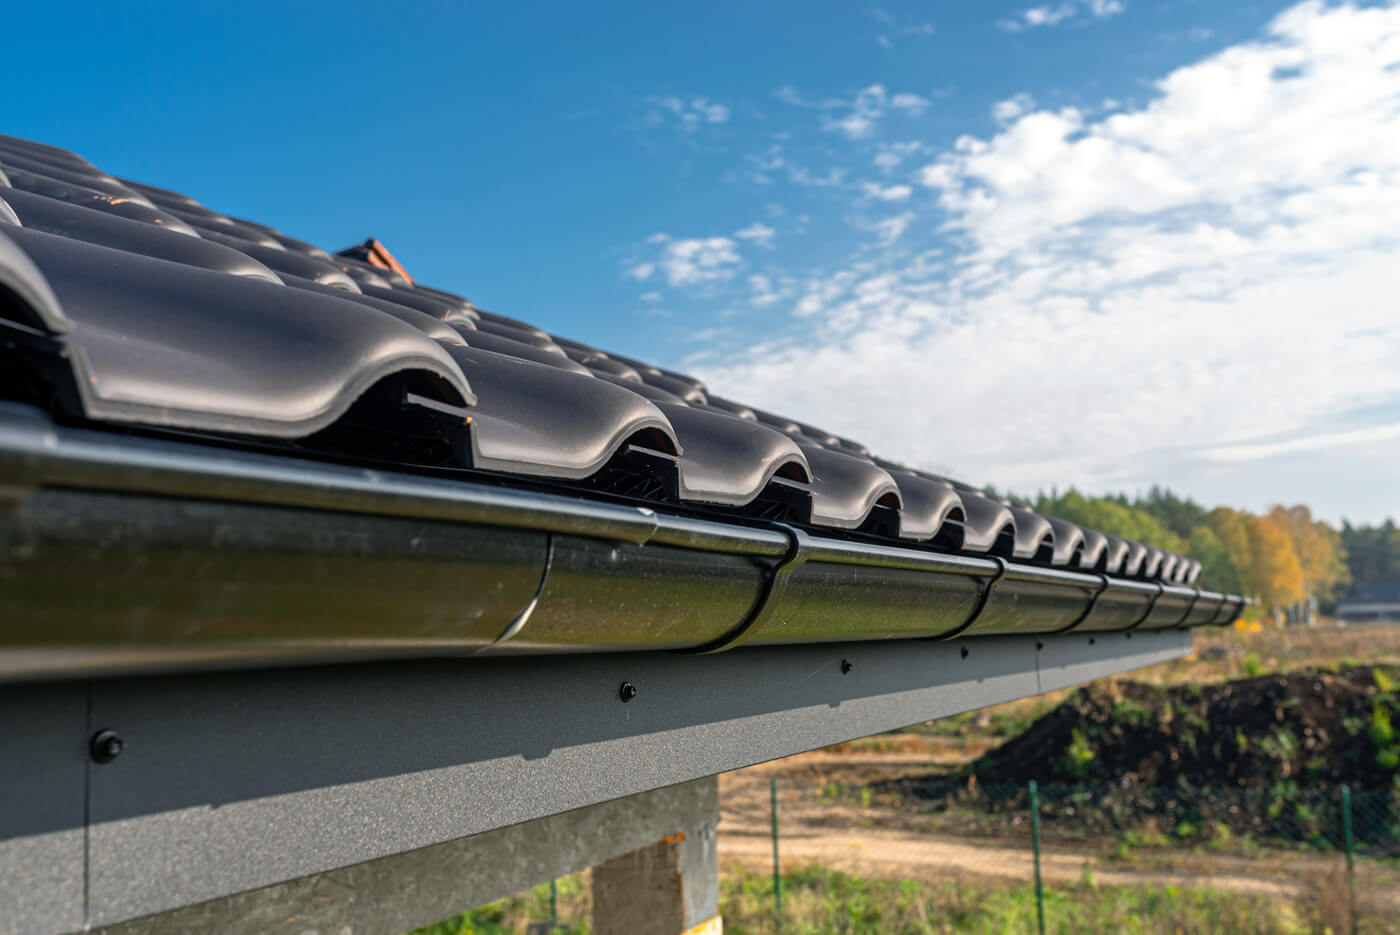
{"x": 1281, "y": 558}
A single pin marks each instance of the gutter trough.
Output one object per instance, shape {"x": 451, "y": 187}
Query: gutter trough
{"x": 122, "y": 555}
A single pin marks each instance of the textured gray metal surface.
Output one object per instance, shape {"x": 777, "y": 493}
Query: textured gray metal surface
{"x": 405, "y": 891}
{"x": 1082, "y": 657}
{"x": 43, "y": 776}
{"x": 236, "y": 781}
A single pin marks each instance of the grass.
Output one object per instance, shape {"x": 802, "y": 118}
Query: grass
{"x": 818, "y": 901}
{"x": 514, "y": 915}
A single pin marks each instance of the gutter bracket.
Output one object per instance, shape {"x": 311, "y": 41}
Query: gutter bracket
{"x": 982, "y": 599}
{"x": 1093, "y": 599}
{"x": 1150, "y": 605}
{"x": 1189, "y": 607}
{"x": 770, "y": 591}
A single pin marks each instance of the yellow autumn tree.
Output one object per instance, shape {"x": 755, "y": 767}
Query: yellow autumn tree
{"x": 1275, "y": 573}
{"x": 1319, "y": 550}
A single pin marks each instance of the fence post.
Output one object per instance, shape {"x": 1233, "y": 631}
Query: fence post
{"x": 1351, "y": 853}
{"x": 1035, "y": 848}
{"x": 777, "y": 875}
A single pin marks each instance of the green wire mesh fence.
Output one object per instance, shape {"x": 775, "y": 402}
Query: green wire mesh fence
{"x": 1291, "y": 858}
{"x": 803, "y": 855}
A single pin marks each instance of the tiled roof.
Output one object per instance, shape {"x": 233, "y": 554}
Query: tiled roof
{"x": 130, "y": 306}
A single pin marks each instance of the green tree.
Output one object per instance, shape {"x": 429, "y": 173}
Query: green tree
{"x": 1217, "y": 571}
{"x": 1372, "y": 552}
{"x": 1231, "y": 528}
{"x": 1178, "y": 514}
{"x": 1113, "y": 516}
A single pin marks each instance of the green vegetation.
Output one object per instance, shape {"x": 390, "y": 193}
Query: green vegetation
{"x": 817, "y": 901}
{"x": 1077, "y": 758}
{"x": 575, "y": 907}
{"x": 1252, "y": 665}
{"x": 1372, "y": 552}
{"x": 1283, "y": 557}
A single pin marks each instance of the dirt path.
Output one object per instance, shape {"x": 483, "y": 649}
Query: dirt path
{"x": 872, "y": 841}
{"x": 867, "y": 851}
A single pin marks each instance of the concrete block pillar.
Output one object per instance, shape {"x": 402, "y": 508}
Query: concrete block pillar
{"x": 670, "y": 887}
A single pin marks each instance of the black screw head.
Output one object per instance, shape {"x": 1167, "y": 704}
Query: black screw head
{"x": 627, "y": 692}
{"x": 106, "y": 746}
{"x": 846, "y": 667}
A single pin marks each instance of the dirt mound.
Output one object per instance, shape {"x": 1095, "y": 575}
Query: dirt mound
{"x": 1263, "y": 757}
{"x": 1311, "y": 727}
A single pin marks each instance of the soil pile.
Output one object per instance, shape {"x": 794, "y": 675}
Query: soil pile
{"x": 1259, "y": 757}
{"x": 1307, "y": 727}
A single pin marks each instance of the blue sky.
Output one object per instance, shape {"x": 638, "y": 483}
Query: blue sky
{"x": 1099, "y": 243}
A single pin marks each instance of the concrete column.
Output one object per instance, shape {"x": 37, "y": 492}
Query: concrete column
{"x": 667, "y": 888}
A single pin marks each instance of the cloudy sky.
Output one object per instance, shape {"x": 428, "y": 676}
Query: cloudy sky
{"x": 1093, "y": 243}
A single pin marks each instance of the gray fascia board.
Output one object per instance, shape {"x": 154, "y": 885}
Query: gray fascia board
{"x": 406, "y": 891}
{"x": 236, "y": 781}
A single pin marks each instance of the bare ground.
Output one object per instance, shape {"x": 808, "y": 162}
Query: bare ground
{"x": 877, "y": 841}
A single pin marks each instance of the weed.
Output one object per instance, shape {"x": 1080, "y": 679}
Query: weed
{"x": 1281, "y": 744}
{"x": 1078, "y": 756}
{"x": 1382, "y": 731}
{"x": 818, "y": 901}
{"x": 1125, "y": 709}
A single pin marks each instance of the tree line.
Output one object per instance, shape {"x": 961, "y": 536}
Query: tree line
{"x": 1283, "y": 558}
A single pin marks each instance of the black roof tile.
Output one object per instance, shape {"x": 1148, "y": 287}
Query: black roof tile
{"x": 139, "y": 306}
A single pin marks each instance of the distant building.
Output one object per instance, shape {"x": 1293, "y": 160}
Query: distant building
{"x": 1374, "y": 600}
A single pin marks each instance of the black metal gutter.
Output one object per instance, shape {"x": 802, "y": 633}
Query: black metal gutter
{"x": 121, "y": 554}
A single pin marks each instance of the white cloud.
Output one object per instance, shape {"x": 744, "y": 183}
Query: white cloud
{"x": 894, "y": 27}
{"x": 1013, "y": 107}
{"x": 887, "y": 192}
{"x": 1259, "y": 451}
{"x": 1054, "y": 14}
{"x": 763, "y": 292}
{"x": 1103, "y": 8}
{"x": 1168, "y": 293}
{"x": 690, "y": 261}
{"x": 758, "y": 233}
{"x": 864, "y": 110}
{"x": 800, "y": 175}
{"x": 690, "y": 113}
{"x": 890, "y": 155}
{"x": 858, "y": 116}
{"x": 794, "y": 98}
{"x": 911, "y": 103}
{"x": 891, "y": 229}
